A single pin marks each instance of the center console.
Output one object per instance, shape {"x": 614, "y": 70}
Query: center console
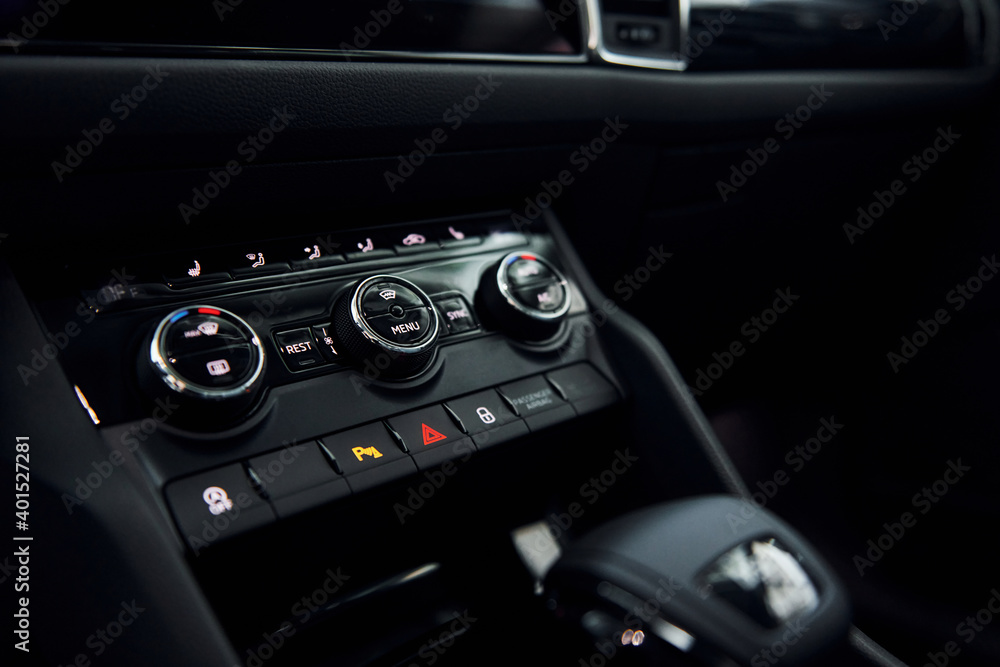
{"x": 372, "y": 444}
{"x": 303, "y": 404}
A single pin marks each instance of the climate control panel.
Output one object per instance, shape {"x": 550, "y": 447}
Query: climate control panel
{"x": 365, "y": 370}
{"x": 214, "y": 361}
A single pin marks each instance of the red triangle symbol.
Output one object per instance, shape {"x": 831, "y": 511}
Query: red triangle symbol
{"x": 432, "y": 436}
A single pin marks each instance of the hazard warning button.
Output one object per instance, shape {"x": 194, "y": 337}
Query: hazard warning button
{"x": 431, "y": 436}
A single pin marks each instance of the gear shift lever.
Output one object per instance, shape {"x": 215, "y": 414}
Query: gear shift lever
{"x": 705, "y": 578}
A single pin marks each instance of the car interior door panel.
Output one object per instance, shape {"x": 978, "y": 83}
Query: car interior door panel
{"x": 473, "y": 332}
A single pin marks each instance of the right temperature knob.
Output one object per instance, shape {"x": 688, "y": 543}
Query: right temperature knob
{"x": 529, "y": 298}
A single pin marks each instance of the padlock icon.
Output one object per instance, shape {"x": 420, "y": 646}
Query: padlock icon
{"x": 485, "y": 415}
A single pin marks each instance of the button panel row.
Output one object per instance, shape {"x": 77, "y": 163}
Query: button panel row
{"x": 309, "y": 347}
{"x": 238, "y": 497}
{"x": 273, "y": 257}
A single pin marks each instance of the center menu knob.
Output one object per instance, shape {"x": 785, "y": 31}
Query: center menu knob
{"x": 387, "y": 322}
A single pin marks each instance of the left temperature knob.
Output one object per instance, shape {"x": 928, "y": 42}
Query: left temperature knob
{"x": 208, "y": 357}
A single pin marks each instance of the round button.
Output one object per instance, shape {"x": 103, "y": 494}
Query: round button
{"x": 381, "y": 296}
{"x": 387, "y": 322}
{"x": 205, "y": 354}
{"x": 528, "y": 297}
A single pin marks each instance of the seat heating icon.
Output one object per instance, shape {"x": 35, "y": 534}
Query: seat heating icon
{"x": 218, "y": 367}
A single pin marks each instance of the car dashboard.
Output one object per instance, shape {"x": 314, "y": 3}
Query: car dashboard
{"x": 499, "y": 331}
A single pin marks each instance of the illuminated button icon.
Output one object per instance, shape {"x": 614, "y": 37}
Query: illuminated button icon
{"x": 218, "y": 367}
{"x": 360, "y": 452}
{"x": 209, "y": 328}
{"x": 635, "y": 638}
{"x": 196, "y": 271}
{"x": 485, "y": 415}
{"x": 430, "y": 435}
{"x": 217, "y": 500}
{"x": 528, "y": 269}
{"x": 414, "y": 239}
{"x": 456, "y": 233}
{"x": 388, "y": 294}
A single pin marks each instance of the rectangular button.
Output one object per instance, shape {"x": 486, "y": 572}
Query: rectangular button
{"x": 363, "y": 246}
{"x": 180, "y": 282}
{"x": 456, "y": 314}
{"x": 297, "y": 349}
{"x": 216, "y": 505}
{"x": 298, "y": 478}
{"x": 482, "y": 411}
{"x": 187, "y": 269}
{"x": 584, "y": 387}
{"x": 323, "y": 335}
{"x": 318, "y": 263}
{"x": 431, "y": 436}
{"x": 407, "y": 241}
{"x": 314, "y": 252}
{"x": 269, "y": 269}
{"x": 531, "y": 396}
{"x": 505, "y": 433}
{"x": 368, "y": 456}
{"x": 557, "y": 415}
{"x": 458, "y": 234}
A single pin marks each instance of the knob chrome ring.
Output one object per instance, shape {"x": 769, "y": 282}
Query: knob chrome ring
{"x": 185, "y": 387}
{"x": 506, "y": 292}
{"x": 373, "y": 336}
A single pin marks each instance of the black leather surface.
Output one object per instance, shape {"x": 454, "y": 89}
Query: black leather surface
{"x": 200, "y": 112}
